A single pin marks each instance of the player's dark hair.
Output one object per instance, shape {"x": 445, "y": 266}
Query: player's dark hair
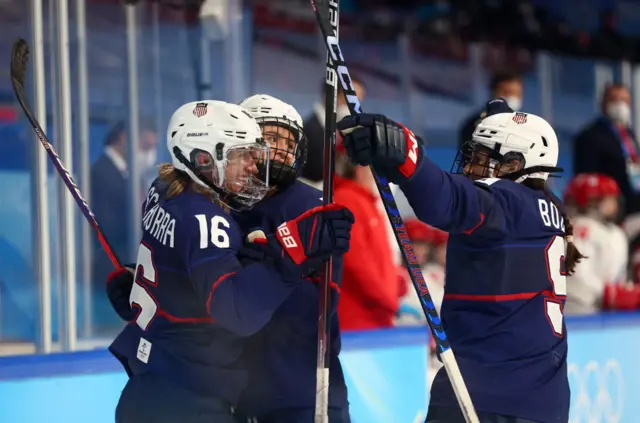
{"x": 500, "y": 77}
{"x": 572, "y": 255}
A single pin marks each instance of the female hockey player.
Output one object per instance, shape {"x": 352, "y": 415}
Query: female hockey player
{"x": 601, "y": 281}
{"x": 192, "y": 302}
{"x": 510, "y": 247}
{"x": 281, "y": 358}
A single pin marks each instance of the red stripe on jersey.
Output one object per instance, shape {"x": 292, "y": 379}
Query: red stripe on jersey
{"x": 472, "y": 230}
{"x": 215, "y": 285}
{"x": 175, "y": 319}
{"x": 502, "y": 297}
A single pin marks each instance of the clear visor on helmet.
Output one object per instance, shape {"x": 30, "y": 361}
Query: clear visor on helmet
{"x": 242, "y": 173}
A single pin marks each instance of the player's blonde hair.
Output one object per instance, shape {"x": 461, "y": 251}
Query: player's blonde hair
{"x": 178, "y": 181}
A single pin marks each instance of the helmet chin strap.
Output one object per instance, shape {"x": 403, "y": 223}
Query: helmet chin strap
{"x": 522, "y": 174}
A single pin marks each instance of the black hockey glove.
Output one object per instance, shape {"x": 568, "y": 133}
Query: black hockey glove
{"x": 299, "y": 245}
{"x": 390, "y": 147}
{"x": 119, "y": 285}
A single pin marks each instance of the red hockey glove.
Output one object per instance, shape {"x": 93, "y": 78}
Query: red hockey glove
{"x": 310, "y": 238}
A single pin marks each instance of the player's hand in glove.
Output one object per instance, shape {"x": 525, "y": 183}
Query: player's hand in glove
{"x": 119, "y": 285}
{"x": 303, "y": 242}
{"x": 376, "y": 140}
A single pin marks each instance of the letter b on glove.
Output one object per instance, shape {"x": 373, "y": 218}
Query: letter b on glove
{"x": 284, "y": 234}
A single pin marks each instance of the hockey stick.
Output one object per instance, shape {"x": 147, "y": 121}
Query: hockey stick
{"x": 19, "y": 63}
{"x": 324, "y": 324}
{"x": 323, "y": 10}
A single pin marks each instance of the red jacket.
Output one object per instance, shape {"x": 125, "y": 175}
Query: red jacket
{"x": 369, "y": 298}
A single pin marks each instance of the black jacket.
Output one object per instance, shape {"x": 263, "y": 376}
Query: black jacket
{"x": 314, "y": 131}
{"x": 598, "y": 149}
{"x": 110, "y": 204}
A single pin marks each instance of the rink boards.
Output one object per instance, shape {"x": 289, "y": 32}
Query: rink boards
{"x": 386, "y": 372}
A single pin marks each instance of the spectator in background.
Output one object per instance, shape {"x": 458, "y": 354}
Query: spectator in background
{"x": 607, "y": 146}
{"x": 371, "y": 281}
{"x": 430, "y": 248}
{"x": 314, "y": 131}
{"x": 506, "y": 85}
{"x": 110, "y": 198}
{"x": 593, "y": 201}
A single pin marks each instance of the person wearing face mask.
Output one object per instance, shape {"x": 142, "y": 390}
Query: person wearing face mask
{"x": 110, "y": 203}
{"x": 314, "y": 131}
{"x": 607, "y": 146}
{"x": 504, "y": 85}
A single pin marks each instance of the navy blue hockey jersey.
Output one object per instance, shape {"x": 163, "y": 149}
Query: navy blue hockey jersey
{"x": 195, "y": 303}
{"x": 505, "y": 290}
{"x": 281, "y": 358}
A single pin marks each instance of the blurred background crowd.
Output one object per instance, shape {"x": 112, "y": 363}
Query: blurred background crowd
{"x": 429, "y": 64}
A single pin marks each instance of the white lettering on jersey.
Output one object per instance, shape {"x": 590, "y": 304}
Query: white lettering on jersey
{"x": 160, "y": 225}
{"x": 550, "y": 214}
{"x": 152, "y": 198}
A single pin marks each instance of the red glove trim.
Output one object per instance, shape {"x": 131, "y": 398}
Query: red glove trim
{"x": 411, "y": 161}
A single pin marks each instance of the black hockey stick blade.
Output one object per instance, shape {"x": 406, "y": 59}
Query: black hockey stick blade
{"x": 19, "y": 61}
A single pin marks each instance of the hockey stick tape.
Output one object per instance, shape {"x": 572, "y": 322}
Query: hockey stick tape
{"x": 255, "y": 234}
{"x": 350, "y": 130}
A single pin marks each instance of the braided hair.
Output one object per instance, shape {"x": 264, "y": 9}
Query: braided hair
{"x": 572, "y": 255}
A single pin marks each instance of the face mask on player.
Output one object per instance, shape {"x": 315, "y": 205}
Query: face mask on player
{"x": 288, "y": 149}
{"x": 478, "y": 161}
{"x": 240, "y": 172}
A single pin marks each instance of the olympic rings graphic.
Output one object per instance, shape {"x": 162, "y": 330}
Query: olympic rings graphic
{"x": 597, "y": 392}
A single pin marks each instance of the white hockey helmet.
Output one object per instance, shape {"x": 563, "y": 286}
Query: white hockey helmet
{"x": 514, "y": 136}
{"x": 220, "y": 146}
{"x": 282, "y": 129}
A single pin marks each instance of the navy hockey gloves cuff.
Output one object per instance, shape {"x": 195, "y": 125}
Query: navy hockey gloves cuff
{"x": 119, "y": 285}
{"x": 301, "y": 243}
{"x": 376, "y": 140}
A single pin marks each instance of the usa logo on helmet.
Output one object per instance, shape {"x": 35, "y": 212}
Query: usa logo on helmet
{"x": 200, "y": 109}
{"x": 520, "y": 118}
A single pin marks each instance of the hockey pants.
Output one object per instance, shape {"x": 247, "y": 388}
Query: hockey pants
{"x": 148, "y": 398}
{"x": 454, "y": 415}
{"x": 296, "y": 415}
